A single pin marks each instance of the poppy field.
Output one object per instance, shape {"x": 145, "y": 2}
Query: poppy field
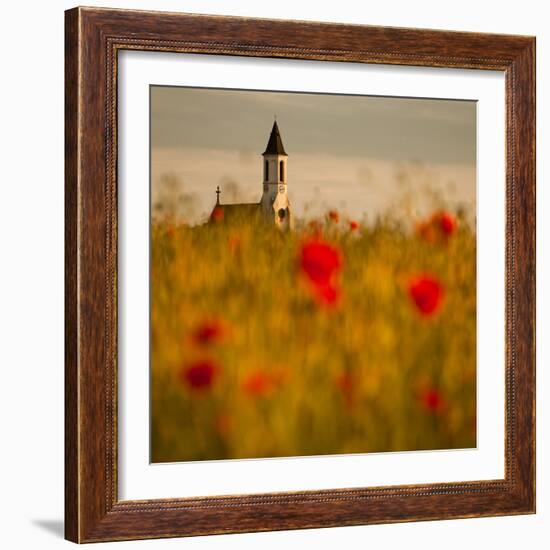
{"x": 336, "y": 337}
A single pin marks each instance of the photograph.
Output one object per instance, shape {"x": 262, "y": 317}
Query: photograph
{"x": 312, "y": 274}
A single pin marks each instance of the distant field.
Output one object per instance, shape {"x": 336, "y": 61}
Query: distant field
{"x": 335, "y": 338}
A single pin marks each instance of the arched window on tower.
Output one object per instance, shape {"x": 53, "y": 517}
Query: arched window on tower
{"x": 266, "y": 170}
{"x": 281, "y": 171}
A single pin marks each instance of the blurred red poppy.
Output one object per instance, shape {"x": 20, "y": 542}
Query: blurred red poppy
{"x": 353, "y": 225}
{"x": 327, "y": 295}
{"x": 438, "y": 228}
{"x": 235, "y": 243}
{"x": 258, "y": 384}
{"x": 427, "y": 293}
{"x": 209, "y": 332}
{"x": 217, "y": 214}
{"x": 199, "y": 375}
{"x": 447, "y": 223}
{"x": 333, "y": 216}
{"x": 431, "y": 400}
{"x": 320, "y": 261}
{"x": 426, "y": 231}
{"x": 346, "y": 383}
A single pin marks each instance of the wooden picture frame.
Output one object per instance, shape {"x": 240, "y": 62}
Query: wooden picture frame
{"x": 93, "y": 511}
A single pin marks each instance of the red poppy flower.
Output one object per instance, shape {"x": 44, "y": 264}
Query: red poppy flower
{"x": 334, "y": 216}
{"x": 200, "y": 375}
{"x": 427, "y": 231}
{"x": 209, "y": 332}
{"x": 258, "y": 384}
{"x": 431, "y": 400}
{"x": 353, "y": 225}
{"x": 217, "y": 214}
{"x": 346, "y": 383}
{"x": 327, "y": 295}
{"x": 439, "y": 227}
{"x": 427, "y": 293}
{"x": 234, "y": 242}
{"x": 447, "y": 223}
{"x": 320, "y": 261}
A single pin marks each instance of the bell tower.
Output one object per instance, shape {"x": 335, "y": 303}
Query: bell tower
{"x": 275, "y": 203}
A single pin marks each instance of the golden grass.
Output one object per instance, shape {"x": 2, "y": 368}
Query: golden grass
{"x": 291, "y": 376}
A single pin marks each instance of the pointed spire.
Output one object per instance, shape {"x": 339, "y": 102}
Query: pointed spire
{"x": 218, "y": 194}
{"x": 275, "y": 143}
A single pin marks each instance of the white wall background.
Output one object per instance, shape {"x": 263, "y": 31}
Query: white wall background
{"x": 31, "y": 275}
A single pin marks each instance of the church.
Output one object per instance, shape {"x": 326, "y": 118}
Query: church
{"x": 274, "y": 206}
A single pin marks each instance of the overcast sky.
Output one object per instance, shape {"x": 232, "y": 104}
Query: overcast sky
{"x": 360, "y": 154}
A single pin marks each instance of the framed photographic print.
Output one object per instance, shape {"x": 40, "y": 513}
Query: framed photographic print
{"x": 300, "y": 275}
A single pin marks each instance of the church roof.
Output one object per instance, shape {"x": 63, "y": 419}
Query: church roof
{"x": 275, "y": 143}
{"x": 235, "y": 212}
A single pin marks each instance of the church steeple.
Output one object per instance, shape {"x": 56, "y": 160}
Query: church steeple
{"x": 275, "y": 159}
{"x": 275, "y": 143}
{"x": 274, "y": 201}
